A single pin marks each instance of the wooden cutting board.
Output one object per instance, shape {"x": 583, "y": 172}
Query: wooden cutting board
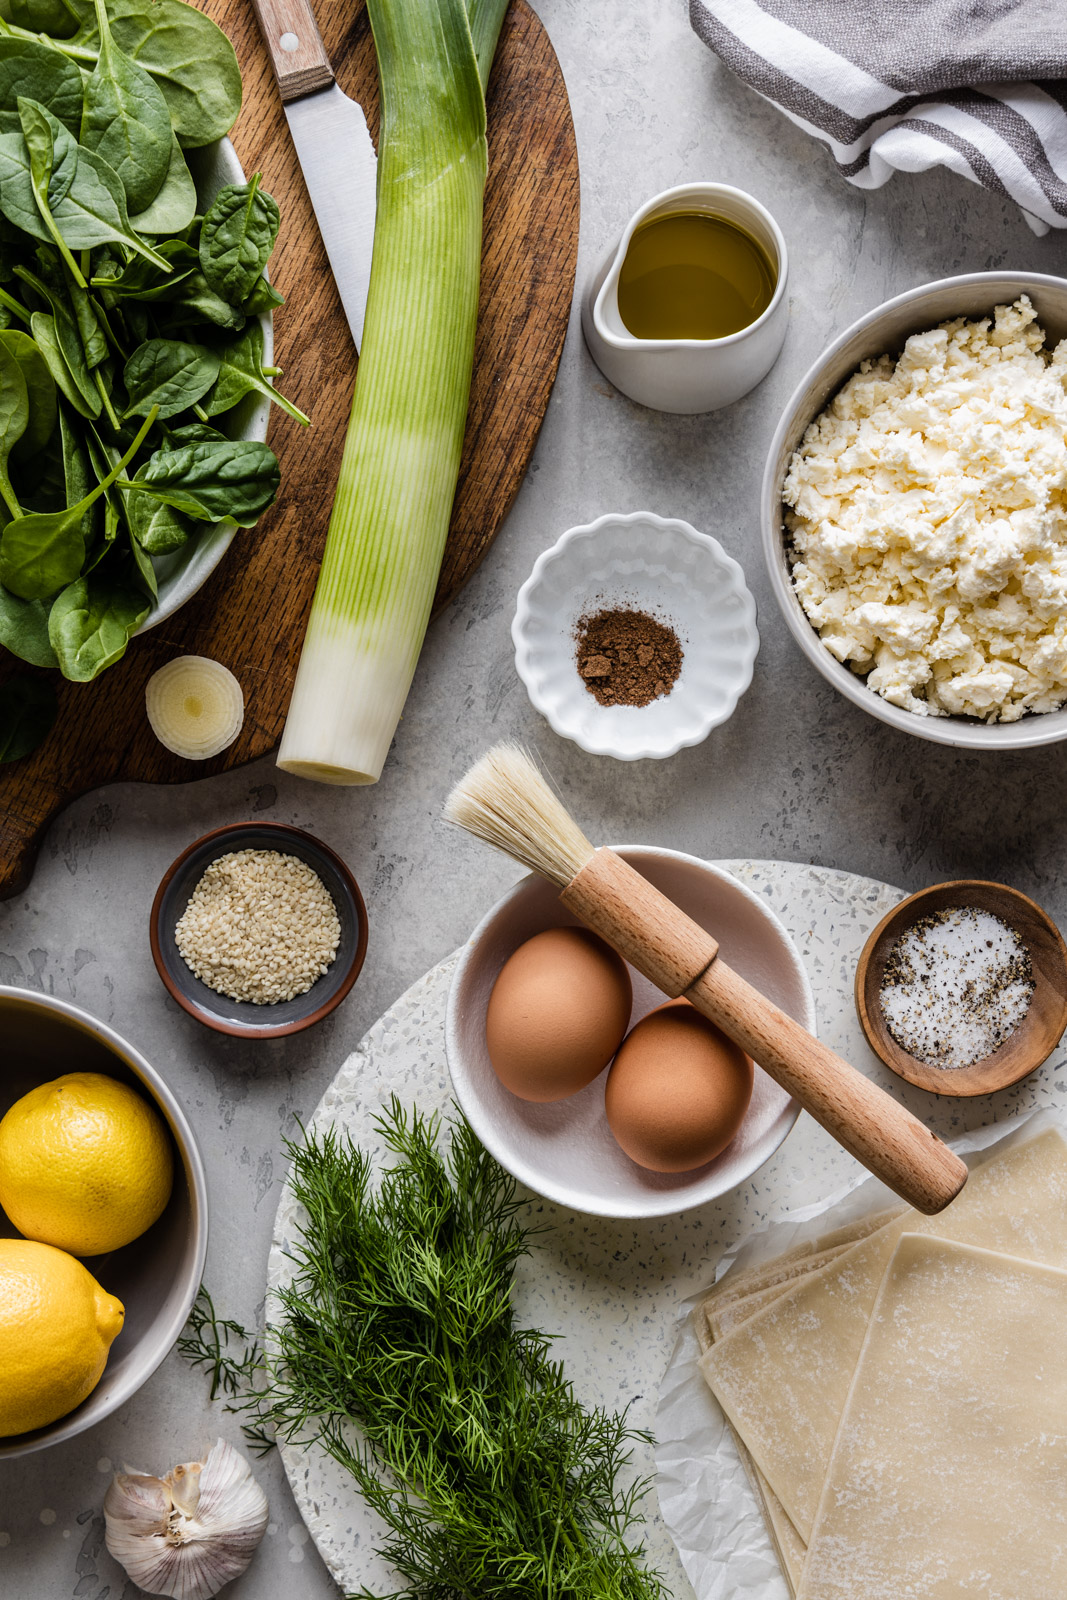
{"x": 252, "y": 612}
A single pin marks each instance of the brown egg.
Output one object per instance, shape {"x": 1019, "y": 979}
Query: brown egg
{"x": 677, "y": 1090}
{"x": 557, "y": 1013}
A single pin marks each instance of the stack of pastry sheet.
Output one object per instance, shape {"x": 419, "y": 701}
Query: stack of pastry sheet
{"x": 899, "y": 1393}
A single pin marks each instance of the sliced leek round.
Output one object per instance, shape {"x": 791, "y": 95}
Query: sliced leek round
{"x": 196, "y": 707}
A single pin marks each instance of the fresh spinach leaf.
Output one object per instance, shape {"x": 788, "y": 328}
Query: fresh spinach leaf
{"x": 35, "y": 71}
{"x": 189, "y": 57}
{"x": 93, "y": 211}
{"x": 53, "y": 152}
{"x": 42, "y": 551}
{"x": 60, "y": 19}
{"x": 242, "y": 372}
{"x": 76, "y": 301}
{"x": 102, "y": 460}
{"x": 237, "y": 237}
{"x": 174, "y": 207}
{"x": 69, "y": 341}
{"x": 91, "y": 622}
{"x": 142, "y": 280}
{"x": 142, "y": 562}
{"x": 157, "y": 527}
{"x": 43, "y": 329}
{"x": 263, "y": 297}
{"x": 77, "y": 475}
{"x": 52, "y": 149}
{"x": 53, "y": 155}
{"x": 40, "y": 392}
{"x": 192, "y": 433}
{"x": 168, "y": 374}
{"x": 126, "y": 120}
{"x": 16, "y": 187}
{"x": 195, "y": 301}
{"x": 90, "y": 330}
{"x": 14, "y": 419}
{"x": 28, "y": 708}
{"x": 136, "y": 318}
{"x": 235, "y": 478}
{"x": 24, "y": 629}
{"x": 38, "y": 479}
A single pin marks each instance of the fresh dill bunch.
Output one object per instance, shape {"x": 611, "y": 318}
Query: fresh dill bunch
{"x": 493, "y": 1479}
{"x": 233, "y": 1361}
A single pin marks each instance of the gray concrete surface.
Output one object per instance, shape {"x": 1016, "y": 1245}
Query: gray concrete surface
{"x": 796, "y": 774}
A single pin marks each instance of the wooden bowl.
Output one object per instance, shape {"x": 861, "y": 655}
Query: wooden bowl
{"x": 1037, "y": 1034}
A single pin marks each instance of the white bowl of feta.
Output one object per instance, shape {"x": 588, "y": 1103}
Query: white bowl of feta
{"x": 921, "y": 560}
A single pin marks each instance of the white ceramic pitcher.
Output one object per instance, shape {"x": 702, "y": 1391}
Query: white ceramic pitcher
{"x": 688, "y": 375}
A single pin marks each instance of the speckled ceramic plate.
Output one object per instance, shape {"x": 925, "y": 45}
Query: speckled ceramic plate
{"x": 610, "y": 1288}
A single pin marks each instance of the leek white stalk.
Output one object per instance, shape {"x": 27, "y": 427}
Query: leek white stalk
{"x": 401, "y": 458}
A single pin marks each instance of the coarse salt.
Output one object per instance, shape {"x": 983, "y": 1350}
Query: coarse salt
{"x": 955, "y": 986}
{"x": 260, "y": 926}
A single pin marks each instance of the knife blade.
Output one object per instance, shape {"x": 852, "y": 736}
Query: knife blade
{"x": 333, "y": 145}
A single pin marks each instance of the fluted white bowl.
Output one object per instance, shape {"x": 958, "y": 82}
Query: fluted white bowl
{"x": 647, "y": 563}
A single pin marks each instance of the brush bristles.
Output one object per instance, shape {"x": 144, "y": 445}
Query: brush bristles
{"x": 505, "y": 800}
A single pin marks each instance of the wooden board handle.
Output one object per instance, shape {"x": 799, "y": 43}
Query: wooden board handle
{"x": 295, "y": 47}
{"x": 671, "y": 950}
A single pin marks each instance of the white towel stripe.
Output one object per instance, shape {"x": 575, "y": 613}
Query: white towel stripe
{"x": 1010, "y": 136}
{"x": 803, "y": 59}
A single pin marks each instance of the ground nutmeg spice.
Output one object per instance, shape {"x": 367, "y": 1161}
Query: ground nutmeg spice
{"x": 627, "y": 658}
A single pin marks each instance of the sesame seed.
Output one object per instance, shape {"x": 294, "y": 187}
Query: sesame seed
{"x": 260, "y": 926}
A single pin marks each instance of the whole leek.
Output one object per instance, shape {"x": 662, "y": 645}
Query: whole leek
{"x": 401, "y": 458}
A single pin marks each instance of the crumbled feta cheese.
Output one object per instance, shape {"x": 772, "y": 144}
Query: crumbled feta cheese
{"x": 927, "y": 507}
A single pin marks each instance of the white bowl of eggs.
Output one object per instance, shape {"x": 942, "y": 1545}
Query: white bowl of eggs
{"x": 578, "y": 1089}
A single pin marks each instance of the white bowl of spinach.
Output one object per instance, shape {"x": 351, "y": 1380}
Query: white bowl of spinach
{"x": 135, "y": 335}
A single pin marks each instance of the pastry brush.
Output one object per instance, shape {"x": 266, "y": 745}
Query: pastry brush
{"x": 505, "y": 800}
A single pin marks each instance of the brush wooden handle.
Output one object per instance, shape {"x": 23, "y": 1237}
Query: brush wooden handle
{"x": 677, "y": 955}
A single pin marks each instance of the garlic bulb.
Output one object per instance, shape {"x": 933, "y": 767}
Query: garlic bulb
{"x": 196, "y": 706}
{"x": 187, "y": 1534}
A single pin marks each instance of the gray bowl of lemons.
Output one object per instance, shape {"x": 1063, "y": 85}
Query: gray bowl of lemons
{"x": 103, "y": 1226}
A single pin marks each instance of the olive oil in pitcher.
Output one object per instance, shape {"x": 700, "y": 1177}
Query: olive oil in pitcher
{"x": 693, "y": 276}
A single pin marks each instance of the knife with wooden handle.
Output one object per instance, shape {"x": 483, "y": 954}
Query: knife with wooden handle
{"x": 333, "y": 146}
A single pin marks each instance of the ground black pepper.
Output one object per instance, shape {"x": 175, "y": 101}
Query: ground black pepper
{"x": 956, "y": 984}
{"x": 627, "y": 658}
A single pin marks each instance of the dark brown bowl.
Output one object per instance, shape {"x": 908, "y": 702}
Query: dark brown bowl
{"x": 1037, "y": 1034}
{"x": 240, "y": 1017}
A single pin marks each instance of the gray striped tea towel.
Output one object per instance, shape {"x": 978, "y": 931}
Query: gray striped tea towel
{"x": 902, "y": 85}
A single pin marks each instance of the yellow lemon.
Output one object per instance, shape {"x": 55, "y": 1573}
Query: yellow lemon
{"x": 85, "y": 1164}
{"x": 56, "y": 1327}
